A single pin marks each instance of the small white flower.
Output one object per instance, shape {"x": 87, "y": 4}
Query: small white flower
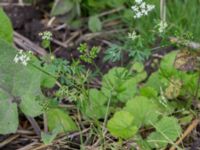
{"x": 135, "y": 8}
{"x": 138, "y": 1}
{"x": 143, "y": 5}
{"x": 21, "y": 57}
{"x": 46, "y": 35}
{"x": 133, "y": 35}
{"x": 141, "y": 8}
{"x": 162, "y": 26}
{"x": 150, "y": 7}
{"x": 139, "y": 14}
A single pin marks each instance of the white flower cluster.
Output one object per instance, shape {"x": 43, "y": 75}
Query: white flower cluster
{"x": 133, "y": 35}
{"x": 46, "y": 35}
{"x": 162, "y": 26}
{"x": 22, "y": 57}
{"x": 141, "y": 8}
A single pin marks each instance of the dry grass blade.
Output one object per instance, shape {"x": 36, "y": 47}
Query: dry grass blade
{"x": 186, "y": 133}
{"x": 8, "y": 140}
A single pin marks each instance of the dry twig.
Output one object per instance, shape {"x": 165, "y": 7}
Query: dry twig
{"x": 186, "y": 133}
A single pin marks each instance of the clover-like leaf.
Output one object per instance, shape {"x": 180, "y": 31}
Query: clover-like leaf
{"x": 122, "y": 125}
{"x": 167, "y": 131}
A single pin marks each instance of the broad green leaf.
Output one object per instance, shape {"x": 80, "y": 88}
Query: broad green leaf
{"x": 94, "y": 24}
{"x": 167, "y": 131}
{"x": 95, "y": 105}
{"x": 137, "y": 66}
{"x": 143, "y": 109}
{"x": 30, "y": 91}
{"x": 58, "y": 118}
{"x": 167, "y": 64}
{"x": 61, "y": 7}
{"x": 154, "y": 81}
{"x": 21, "y": 82}
{"x": 8, "y": 114}
{"x": 6, "y": 30}
{"x": 122, "y": 125}
{"x": 148, "y": 92}
{"x": 119, "y": 84}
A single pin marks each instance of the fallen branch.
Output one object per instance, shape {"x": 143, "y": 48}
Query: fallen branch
{"x": 26, "y": 44}
{"x": 187, "y": 43}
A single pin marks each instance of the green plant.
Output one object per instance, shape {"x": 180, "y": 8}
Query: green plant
{"x": 87, "y": 55}
{"x": 6, "y": 31}
{"x": 22, "y": 77}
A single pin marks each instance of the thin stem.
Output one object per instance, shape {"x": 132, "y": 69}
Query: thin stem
{"x": 163, "y": 10}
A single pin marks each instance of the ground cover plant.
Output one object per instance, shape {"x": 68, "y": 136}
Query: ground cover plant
{"x": 99, "y": 75}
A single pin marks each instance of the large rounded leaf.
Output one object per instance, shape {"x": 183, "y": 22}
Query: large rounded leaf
{"x": 122, "y": 125}
{"x": 58, "y": 118}
{"x": 167, "y": 130}
{"x": 8, "y": 114}
{"x": 143, "y": 109}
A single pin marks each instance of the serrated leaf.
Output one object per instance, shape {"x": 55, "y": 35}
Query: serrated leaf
{"x": 167, "y": 131}
{"x": 119, "y": 84}
{"x": 143, "y": 109}
{"x": 61, "y": 7}
{"x": 8, "y": 114}
{"x": 121, "y": 125}
{"x": 148, "y": 92}
{"x": 94, "y": 24}
{"x": 58, "y": 118}
{"x": 6, "y": 30}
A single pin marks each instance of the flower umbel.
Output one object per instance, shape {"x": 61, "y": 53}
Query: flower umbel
{"x": 133, "y": 35}
{"x": 162, "y": 26}
{"x": 22, "y": 58}
{"x": 46, "y": 35}
{"x": 141, "y": 8}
